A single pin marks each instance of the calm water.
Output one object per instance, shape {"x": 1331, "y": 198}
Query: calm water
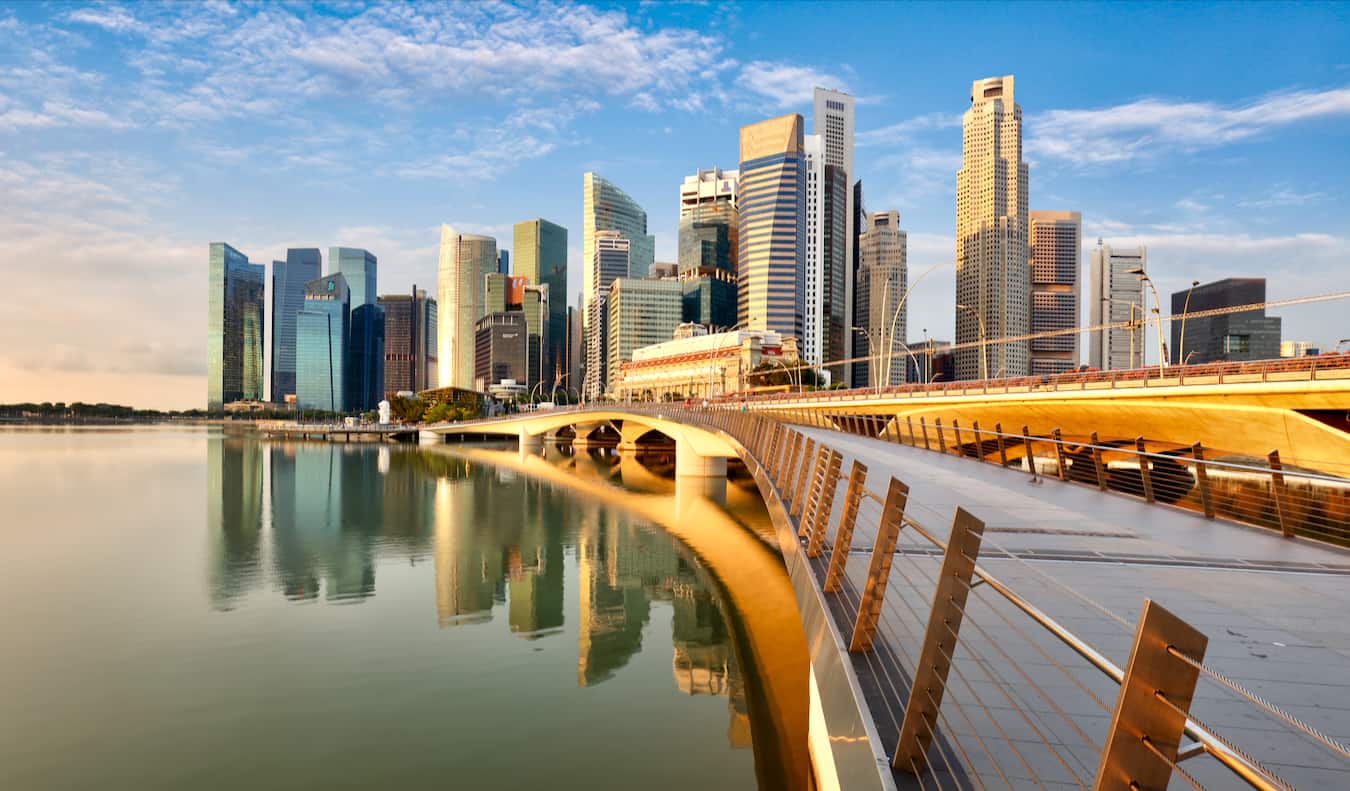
{"x": 190, "y": 609}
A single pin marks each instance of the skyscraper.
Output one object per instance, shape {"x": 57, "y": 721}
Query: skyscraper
{"x": 708, "y": 247}
{"x": 234, "y": 327}
{"x": 641, "y": 313}
{"x": 1055, "y": 246}
{"x": 500, "y": 349}
{"x": 772, "y": 226}
{"x": 883, "y": 265}
{"x": 1231, "y": 337}
{"x": 536, "y": 308}
{"x": 463, "y": 262}
{"x": 409, "y": 342}
{"x": 503, "y": 262}
{"x": 1116, "y": 296}
{"x": 540, "y": 251}
{"x": 365, "y": 368}
{"x": 991, "y": 235}
{"x": 836, "y": 217}
{"x": 322, "y": 333}
{"x": 609, "y": 262}
{"x": 288, "y": 297}
{"x": 828, "y": 245}
{"x": 856, "y": 374}
{"x": 605, "y": 207}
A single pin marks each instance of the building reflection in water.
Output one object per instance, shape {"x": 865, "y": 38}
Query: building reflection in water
{"x": 496, "y": 540}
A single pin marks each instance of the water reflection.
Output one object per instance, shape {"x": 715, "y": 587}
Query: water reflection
{"x": 499, "y": 543}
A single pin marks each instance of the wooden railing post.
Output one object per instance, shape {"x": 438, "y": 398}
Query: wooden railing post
{"x": 813, "y": 494}
{"x": 1145, "y": 469}
{"x": 848, "y": 518}
{"x": 1059, "y": 454}
{"x": 1026, "y": 443}
{"x": 879, "y": 567}
{"x": 909, "y": 421}
{"x": 1150, "y": 714}
{"x": 942, "y": 441}
{"x": 803, "y": 477}
{"x": 1202, "y": 480}
{"x": 979, "y": 440}
{"x": 939, "y": 643}
{"x": 956, "y": 427}
{"x": 787, "y": 467}
{"x": 1281, "y": 494}
{"x": 1097, "y": 462}
{"x": 924, "y": 427}
{"x": 820, "y": 517}
{"x": 1002, "y": 449}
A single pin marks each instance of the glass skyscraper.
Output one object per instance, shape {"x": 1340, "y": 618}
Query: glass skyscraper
{"x": 322, "y": 329}
{"x": 772, "y": 205}
{"x": 288, "y": 297}
{"x": 462, "y": 266}
{"x": 708, "y": 247}
{"x": 610, "y": 262}
{"x": 540, "y": 249}
{"x": 234, "y": 327}
{"x": 365, "y": 367}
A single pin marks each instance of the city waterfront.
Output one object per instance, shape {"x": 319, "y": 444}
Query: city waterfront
{"x": 191, "y": 607}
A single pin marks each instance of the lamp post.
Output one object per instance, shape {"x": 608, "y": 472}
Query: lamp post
{"x": 984, "y": 352}
{"x": 717, "y": 348}
{"x": 1181, "y": 343}
{"x": 1157, "y": 312}
{"x": 872, "y": 356}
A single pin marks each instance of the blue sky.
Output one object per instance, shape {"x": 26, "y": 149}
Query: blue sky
{"x": 133, "y": 135}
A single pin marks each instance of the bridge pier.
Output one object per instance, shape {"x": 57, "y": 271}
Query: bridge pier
{"x": 530, "y": 444}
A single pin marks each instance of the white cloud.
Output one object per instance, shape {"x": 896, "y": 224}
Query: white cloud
{"x": 787, "y": 85}
{"x": 1283, "y": 196}
{"x": 904, "y": 131}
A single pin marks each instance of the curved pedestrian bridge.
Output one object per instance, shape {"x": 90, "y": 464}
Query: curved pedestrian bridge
{"x": 989, "y": 612}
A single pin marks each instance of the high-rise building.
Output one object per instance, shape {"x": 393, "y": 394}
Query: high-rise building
{"x": 365, "y": 369}
{"x": 708, "y": 247}
{"x": 500, "y": 349}
{"x": 992, "y": 283}
{"x": 503, "y": 262}
{"x": 1114, "y": 296}
{"x": 772, "y": 226}
{"x": 838, "y": 226}
{"x": 574, "y": 365}
{"x": 540, "y": 251}
{"x": 605, "y": 207}
{"x": 1055, "y": 244}
{"x": 502, "y": 292}
{"x": 641, "y": 313}
{"x": 463, "y": 263}
{"x": 856, "y": 374}
{"x": 883, "y": 265}
{"x": 288, "y": 297}
{"x": 609, "y": 262}
{"x": 234, "y": 327}
{"x": 322, "y": 333}
{"x": 409, "y": 342}
{"x": 1229, "y": 337}
{"x": 536, "y": 309}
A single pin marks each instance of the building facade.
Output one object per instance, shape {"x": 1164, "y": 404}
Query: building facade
{"x": 883, "y": 264}
{"x": 605, "y": 207}
{"x": 234, "y": 327}
{"x": 1231, "y": 337}
{"x": 503, "y": 262}
{"x": 839, "y": 223}
{"x": 409, "y": 342}
{"x": 700, "y": 366}
{"x": 992, "y": 280}
{"x": 500, "y": 349}
{"x": 322, "y": 333}
{"x": 1115, "y": 296}
{"x": 463, "y": 262}
{"x": 1055, "y": 249}
{"x": 540, "y": 253}
{"x": 772, "y": 226}
{"x": 856, "y": 342}
{"x": 288, "y": 297}
{"x": 708, "y": 238}
{"x": 641, "y": 313}
{"x": 609, "y": 263}
{"x": 365, "y": 369}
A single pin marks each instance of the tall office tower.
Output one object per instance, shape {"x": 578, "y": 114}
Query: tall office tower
{"x": 1055, "y": 245}
{"x": 708, "y": 247}
{"x": 535, "y": 307}
{"x": 825, "y": 287}
{"x": 991, "y": 235}
{"x": 502, "y": 292}
{"x": 609, "y": 262}
{"x": 503, "y": 262}
{"x": 641, "y": 313}
{"x": 234, "y": 327}
{"x": 288, "y": 297}
{"x": 883, "y": 260}
{"x": 856, "y": 374}
{"x": 500, "y": 349}
{"x": 365, "y": 369}
{"x": 771, "y": 256}
{"x": 1231, "y": 337}
{"x": 463, "y": 262}
{"x": 575, "y": 354}
{"x": 540, "y": 252}
{"x": 605, "y": 207}
{"x": 409, "y": 342}
{"x": 832, "y": 120}
{"x": 1116, "y": 296}
{"x": 322, "y": 333}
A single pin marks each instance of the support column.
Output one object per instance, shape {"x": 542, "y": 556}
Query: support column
{"x": 531, "y": 444}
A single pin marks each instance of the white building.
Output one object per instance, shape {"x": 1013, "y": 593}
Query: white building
{"x": 463, "y": 263}
{"x": 1116, "y": 296}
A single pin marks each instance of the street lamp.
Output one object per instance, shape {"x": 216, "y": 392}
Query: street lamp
{"x": 1157, "y": 311}
{"x": 984, "y": 352}
{"x": 1181, "y": 344}
{"x": 872, "y": 355}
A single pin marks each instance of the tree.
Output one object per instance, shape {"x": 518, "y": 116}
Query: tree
{"x": 438, "y": 412}
{"x": 407, "y": 410}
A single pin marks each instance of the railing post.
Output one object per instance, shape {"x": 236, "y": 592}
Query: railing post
{"x": 879, "y": 568}
{"x": 1202, "y": 480}
{"x": 979, "y": 440}
{"x": 784, "y": 475}
{"x": 1026, "y": 443}
{"x": 924, "y": 426}
{"x": 909, "y": 421}
{"x": 1097, "y": 463}
{"x": 942, "y": 442}
{"x": 820, "y": 517}
{"x": 1002, "y": 449}
{"x": 939, "y": 643}
{"x": 1145, "y": 469}
{"x": 813, "y": 494}
{"x": 848, "y": 518}
{"x": 803, "y": 478}
{"x": 956, "y": 427}
{"x": 1059, "y": 454}
{"x": 1281, "y": 494}
{"x": 1150, "y": 714}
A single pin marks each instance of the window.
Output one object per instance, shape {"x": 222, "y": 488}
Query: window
{"x": 1237, "y": 344}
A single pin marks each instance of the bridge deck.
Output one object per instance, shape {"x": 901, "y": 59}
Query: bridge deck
{"x": 1022, "y": 708}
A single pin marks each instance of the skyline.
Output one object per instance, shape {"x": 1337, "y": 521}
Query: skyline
{"x": 123, "y": 149}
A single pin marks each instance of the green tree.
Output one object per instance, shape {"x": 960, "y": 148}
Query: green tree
{"x": 407, "y": 410}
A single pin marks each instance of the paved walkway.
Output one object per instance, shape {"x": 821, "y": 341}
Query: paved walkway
{"x": 1021, "y": 707}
